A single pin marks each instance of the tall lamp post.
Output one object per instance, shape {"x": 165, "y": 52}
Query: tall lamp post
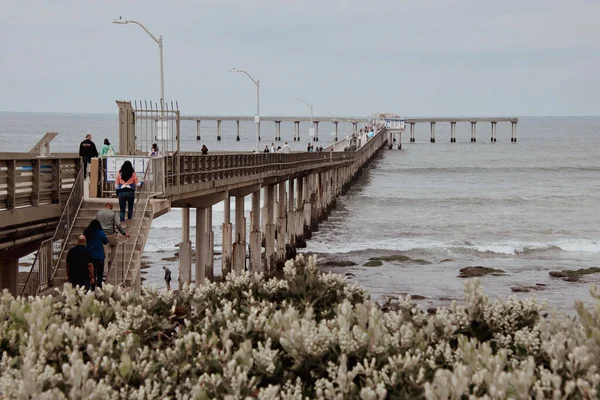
{"x": 158, "y": 41}
{"x": 312, "y": 124}
{"x": 257, "y": 116}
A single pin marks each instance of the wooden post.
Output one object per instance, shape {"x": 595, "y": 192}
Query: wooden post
{"x": 11, "y": 182}
{"x": 56, "y": 178}
{"x": 35, "y": 183}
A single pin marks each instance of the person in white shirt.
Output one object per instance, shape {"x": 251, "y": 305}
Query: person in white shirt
{"x": 272, "y": 147}
{"x": 286, "y": 148}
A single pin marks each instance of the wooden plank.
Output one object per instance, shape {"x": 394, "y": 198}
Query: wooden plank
{"x": 56, "y": 181}
{"x": 35, "y": 184}
{"x": 11, "y": 175}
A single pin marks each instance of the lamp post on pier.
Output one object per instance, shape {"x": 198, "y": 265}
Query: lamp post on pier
{"x": 159, "y": 42}
{"x": 312, "y": 123}
{"x": 257, "y": 116}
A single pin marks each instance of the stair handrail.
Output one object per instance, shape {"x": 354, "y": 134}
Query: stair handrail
{"x": 152, "y": 186}
{"x": 45, "y": 262}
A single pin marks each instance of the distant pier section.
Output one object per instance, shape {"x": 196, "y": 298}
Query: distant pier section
{"x": 356, "y": 121}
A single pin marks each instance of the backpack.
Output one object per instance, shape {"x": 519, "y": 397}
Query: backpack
{"x": 111, "y": 151}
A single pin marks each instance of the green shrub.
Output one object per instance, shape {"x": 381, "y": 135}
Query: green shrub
{"x": 307, "y": 335}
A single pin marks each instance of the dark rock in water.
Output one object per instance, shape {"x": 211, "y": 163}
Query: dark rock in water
{"x": 349, "y": 274}
{"x": 571, "y": 279}
{"x": 526, "y": 289}
{"x": 290, "y": 252}
{"x": 339, "y": 263}
{"x": 565, "y": 273}
{"x": 373, "y": 263}
{"x": 431, "y": 310}
{"x": 540, "y": 284}
{"x": 417, "y": 297}
{"x": 174, "y": 258}
{"x": 300, "y": 243}
{"x": 471, "y": 272}
{"x": 446, "y": 260}
{"x": 400, "y": 258}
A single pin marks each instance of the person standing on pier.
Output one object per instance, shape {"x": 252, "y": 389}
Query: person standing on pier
{"x": 154, "y": 151}
{"x": 96, "y": 239}
{"x": 87, "y": 151}
{"x": 110, "y": 224}
{"x": 80, "y": 269}
{"x": 204, "y": 150}
{"x": 125, "y": 184}
{"x": 107, "y": 150}
{"x": 286, "y": 148}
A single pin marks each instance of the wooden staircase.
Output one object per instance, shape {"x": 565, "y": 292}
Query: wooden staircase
{"x": 124, "y": 252}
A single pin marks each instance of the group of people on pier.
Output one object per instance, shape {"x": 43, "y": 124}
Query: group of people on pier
{"x": 279, "y": 149}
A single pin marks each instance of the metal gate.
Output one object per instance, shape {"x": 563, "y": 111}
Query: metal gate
{"x": 144, "y": 123}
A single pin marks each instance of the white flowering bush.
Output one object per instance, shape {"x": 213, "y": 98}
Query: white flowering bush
{"x": 304, "y": 336}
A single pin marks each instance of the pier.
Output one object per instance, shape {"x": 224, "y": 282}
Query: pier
{"x": 45, "y": 202}
{"x": 432, "y": 122}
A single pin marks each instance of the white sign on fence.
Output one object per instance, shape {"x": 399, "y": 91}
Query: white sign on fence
{"x": 162, "y": 130}
{"x": 113, "y": 165}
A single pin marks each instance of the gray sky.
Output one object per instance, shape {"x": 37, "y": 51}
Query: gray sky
{"x": 353, "y": 57}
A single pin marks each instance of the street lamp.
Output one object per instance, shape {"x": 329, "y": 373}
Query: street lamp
{"x": 158, "y": 41}
{"x": 312, "y": 124}
{"x": 257, "y": 116}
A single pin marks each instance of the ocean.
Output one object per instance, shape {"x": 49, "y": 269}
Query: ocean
{"x": 526, "y": 208}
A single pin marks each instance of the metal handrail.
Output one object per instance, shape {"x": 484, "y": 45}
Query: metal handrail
{"x": 153, "y": 182}
{"x": 45, "y": 261}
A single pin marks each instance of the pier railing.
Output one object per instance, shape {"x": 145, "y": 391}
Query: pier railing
{"x": 50, "y": 253}
{"x": 29, "y": 181}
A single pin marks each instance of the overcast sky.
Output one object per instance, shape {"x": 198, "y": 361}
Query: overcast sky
{"x": 352, "y": 57}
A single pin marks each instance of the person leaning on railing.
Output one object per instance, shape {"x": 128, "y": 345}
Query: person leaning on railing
{"x": 110, "y": 225}
{"x": 125, "y": 183}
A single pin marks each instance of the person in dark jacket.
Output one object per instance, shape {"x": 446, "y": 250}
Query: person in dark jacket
{"x": 96, "y": 239}
{"x": 204, "y": 149}
{"x": 87, "y": 151}
{"x": 80, "y": 269}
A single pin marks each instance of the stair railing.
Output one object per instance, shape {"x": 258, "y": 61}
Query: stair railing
{"x": 47, "y": 259}
{"x": 153, "y": 185}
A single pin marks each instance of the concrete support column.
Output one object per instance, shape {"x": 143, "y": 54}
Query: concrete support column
{"x": 202, "y": 240}
{"x": 336, "y": 130}
{"x": 227, "y": 252}
{"x": 390, "y": 140}
{"x": 255, "y": 234}
{"x": 185, "y": 249}
{"x": 277, "y": 130}
{"x": 432, "y": 139}
{"x": 354, "y": 127}
{"x": 198, "y": 130}
{"x": 239, "y": 246}
{"x": 316, "y": 128}
{"x": 210, "y": 259}
{"x": 315, "y": 202}
{"x": 237, "y": 138}
{"x": 270, "y": 229}
{"x": 412, "y": 132}
{"x": 493, "y": 131}
{"x": 9, "y": 275}
{"x": 296, "y": 131}
{"x": 452, "y": 132}
{"x": 513, "y": 138}
{"x": 473, "y": 132}
{"x": 299, "y": 193}
{"x": 281, "y": 224}
{"x": 306, "y": 207}
{"x": 218, "y": 130}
